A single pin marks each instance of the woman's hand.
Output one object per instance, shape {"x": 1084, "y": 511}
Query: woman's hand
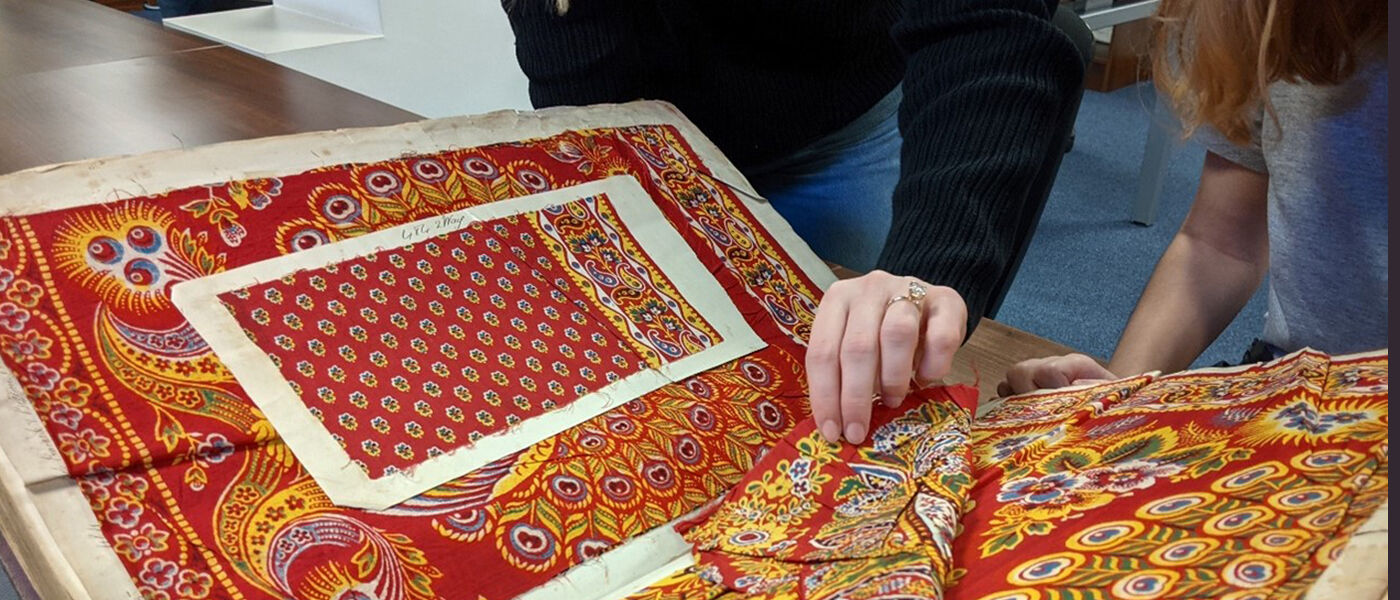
{"x": 877, "y": 334}
{"x": 1052, "y": 372}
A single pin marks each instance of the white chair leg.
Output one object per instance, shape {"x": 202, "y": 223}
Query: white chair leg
{"x": 1161, "y": 133}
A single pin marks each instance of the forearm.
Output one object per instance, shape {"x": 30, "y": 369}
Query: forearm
{"x": 986, "y": 91}
{"x": 1207, "y": 274}
{"x": 1192, "y": 296}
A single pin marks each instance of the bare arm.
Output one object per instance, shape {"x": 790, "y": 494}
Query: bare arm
{"x": 1205, "y": 277}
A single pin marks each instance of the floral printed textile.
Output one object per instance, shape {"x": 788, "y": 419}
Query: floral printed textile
{"x": 819, "y": 521}
{"x": 199, "y": 499}
{"x": 1240, "y": 484}
{"x": 410, "y": 352}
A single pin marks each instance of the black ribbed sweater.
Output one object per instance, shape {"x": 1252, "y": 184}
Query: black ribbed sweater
{"x": 985, "y": 82}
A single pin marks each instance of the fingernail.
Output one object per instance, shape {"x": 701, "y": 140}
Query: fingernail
{"x": 892, "y": 401}
{"x": 855, "y": 433}
{"x": 831, "y": 431}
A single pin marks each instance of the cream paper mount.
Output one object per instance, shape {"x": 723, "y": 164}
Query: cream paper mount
{"x": 45, "y": 516}
{"x": 347, "y": 483}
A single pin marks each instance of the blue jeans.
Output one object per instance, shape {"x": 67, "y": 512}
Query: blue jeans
{"x": 836, "y": 193}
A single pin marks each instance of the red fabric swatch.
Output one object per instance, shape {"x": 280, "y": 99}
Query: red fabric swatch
{"x": 198, "y": 498}
{"x": 380, "y": 346}
{"x": 1235, "y": 485}
{"x": 1243, "y": 484}
{"x": 824, "y": 521}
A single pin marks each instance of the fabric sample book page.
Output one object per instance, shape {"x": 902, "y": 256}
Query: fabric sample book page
{"x": 1262, "y": 481}
{"x": 559, "y": 355}
{"x": 606, "y": 384}
{"x": 394, "y": 362}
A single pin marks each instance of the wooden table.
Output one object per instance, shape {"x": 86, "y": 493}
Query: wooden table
{"x": 79, "y": 81}
{"x": 57, "y": 34}
{"x": 991, "y": 350}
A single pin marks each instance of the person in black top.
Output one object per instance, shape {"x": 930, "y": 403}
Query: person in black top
{"x": 802, "y": 96}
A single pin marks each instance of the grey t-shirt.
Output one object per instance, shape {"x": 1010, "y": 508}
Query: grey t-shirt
{"x": 1328, "y": 211}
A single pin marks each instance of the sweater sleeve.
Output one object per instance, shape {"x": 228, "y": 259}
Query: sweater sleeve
{"x": 588, "y": 55}
{"x": 985, "y": 91}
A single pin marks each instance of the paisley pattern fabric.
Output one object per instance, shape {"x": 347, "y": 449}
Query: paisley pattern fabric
{"x": 1234, "y": 485}
{"x": 199, "y": 499}
{"x": 408, "y": 353}
{"x": 1197, "y": 485}
{"x": 824, "y": 521}
{"x": 815, "y": 520}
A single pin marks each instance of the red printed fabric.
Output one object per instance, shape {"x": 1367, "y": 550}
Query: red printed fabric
{"x": 411, "y": 352}
{"x": 1239, "y": 485}
{"x": 197, "y": 497}
{"x": 823, "y": 521}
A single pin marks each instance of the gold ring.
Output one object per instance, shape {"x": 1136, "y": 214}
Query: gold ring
{"x": 915, "y": 296}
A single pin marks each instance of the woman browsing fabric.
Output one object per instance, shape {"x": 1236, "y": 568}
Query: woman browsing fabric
{"x": 833, "y": 107}
{"x": 1290, "y": 99}
{"x": 804, "y": 98}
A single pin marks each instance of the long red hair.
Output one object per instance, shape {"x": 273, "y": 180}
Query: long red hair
{"x": 1215, "y": 59}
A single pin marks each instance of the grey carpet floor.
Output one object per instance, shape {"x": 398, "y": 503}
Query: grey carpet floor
{"x": 1088, "y": 263}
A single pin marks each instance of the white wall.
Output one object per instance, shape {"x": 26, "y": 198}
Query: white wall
{"x": 436, "y": 58}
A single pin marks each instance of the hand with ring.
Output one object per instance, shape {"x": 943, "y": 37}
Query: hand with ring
{"x": 874, "y": 337}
